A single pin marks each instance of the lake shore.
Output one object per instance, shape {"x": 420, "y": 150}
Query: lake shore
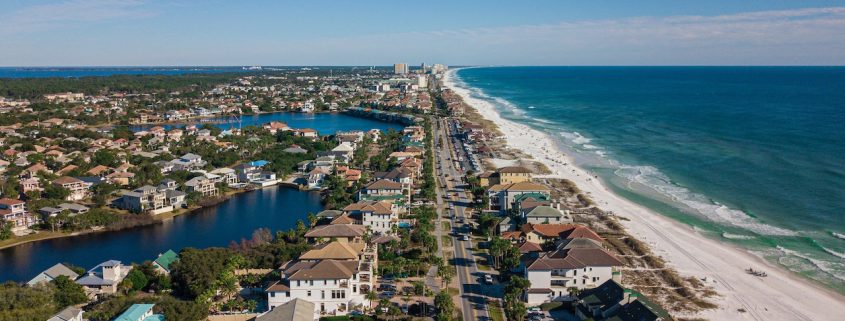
{"x": 780, "y": 296}
{"x": 49, "y": 235}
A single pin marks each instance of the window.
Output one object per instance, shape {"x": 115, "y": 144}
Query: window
{"x": 354, "y": 288}
{"x": 322, "y": 294}
{"x": 311, "y": 282}
{"x": 272, "y": 294}
{"x": 287, "y": 294}
{"x": 297, "y": 283}
{"x": 335, "y": 282}
{"x": 309, "y": 293}
{"x": 338, "y": 294}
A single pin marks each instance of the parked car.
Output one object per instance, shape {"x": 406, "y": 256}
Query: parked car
{"x": 465, "y": 238}
{"x": 488, "y": 279}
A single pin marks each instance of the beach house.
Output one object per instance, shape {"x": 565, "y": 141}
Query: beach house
{"x": 555, "y": 273}
{"x": 339, "y": 232}
{"x": 70, "y": 313}
{"x": 163, "y": 261}
{"x": 502, "y": 196}
{"x": 202, "y": 185}
{"x": 334, "y": 286}
{"x": 188, "y": 162}
{"x": 293, "y": 310}
{"x": 14, "y": 212}
{"x": 139, "y": 312}
{"x": 611, "y": 301}
{"x": 78, "y": 189}
{"x": 104, "y": 278}
{"x": 381, "y": 190}
{"x": 52, "y": 273}
{"x": 545, "y": 214}
{"x": 147, "y": 199}
{"x": 378, "y": 216}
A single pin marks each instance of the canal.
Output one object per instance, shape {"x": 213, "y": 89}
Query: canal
{"x": 275, "y": 208}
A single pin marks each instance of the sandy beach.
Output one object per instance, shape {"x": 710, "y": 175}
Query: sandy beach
{"x": 780, "y": 296}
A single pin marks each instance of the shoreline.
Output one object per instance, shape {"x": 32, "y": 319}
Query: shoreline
{"x": 199, "y": 119}
{"x": 781, "y": 296}
{"x": 50, "y": 235}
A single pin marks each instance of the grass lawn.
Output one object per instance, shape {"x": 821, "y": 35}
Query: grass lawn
{"x": 42, "y": 235}
{"x": 453, "y": 291}
{"x": 447, "y": 240}
{"x": 446, "y": 226}
{"x": 548, "y": 306}
{"x": 495, "y": 311}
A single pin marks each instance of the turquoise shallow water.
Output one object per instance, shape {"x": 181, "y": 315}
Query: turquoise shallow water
{"x": 754, "y": 156}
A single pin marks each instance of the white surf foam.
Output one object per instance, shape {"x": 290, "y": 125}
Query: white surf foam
{"x": 647, "y": 176}
{"x": 650, "y": 177}
{"x": 737, "y": 236}
{"x": 831, "y": 268}
{"x": 834, "y": 253}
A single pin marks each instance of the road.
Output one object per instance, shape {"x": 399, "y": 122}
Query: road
{"x": 473, "y": 303}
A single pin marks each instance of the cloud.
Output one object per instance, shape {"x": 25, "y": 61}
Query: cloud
{"x": 809, "y": 36}
{"x": 51, "y": 16}
{"x": 802, "y": 36}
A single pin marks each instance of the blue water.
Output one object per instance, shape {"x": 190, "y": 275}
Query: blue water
{"x": 754, "y": 156}
{"x": 276, "y": 208}
{"x": 323, "y": 123}
{"x": 74, "y": 72}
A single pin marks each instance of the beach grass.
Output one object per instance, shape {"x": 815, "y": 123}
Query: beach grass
{"x": 495, "y": 311}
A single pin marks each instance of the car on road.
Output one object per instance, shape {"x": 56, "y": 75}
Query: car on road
{"x": 488, "y": 279}
{"x": 465, "y": 237}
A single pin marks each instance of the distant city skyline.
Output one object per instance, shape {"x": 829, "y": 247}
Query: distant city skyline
{"x": 222, "y": 33}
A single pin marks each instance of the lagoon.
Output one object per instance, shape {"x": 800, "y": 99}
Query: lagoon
{"x": 323, "y": 123}
{"x": 275, "y": 208}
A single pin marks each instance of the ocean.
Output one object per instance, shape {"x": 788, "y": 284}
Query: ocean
{"x": 753, "y": 156}
{"x": 75, "y": 72}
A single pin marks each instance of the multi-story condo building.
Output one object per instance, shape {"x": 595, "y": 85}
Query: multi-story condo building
{"x": 14, "y": 212}
{"x": 378, "y": 216}
{"x": 201, "y": 185}
{"x": 334, "y": 286}
{"x": 555, "y": 273}
{"x": 78, "y": 188}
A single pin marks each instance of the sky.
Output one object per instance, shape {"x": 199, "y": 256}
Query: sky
{"x": 492, "y": 32}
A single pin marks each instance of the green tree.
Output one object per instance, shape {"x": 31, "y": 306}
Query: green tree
{"x": 105, "y": 157}
{"x": 446, "y": 273}
{"x": 197, "y": 270}
{"x": 25, "y": 303}
{"x": 445, "y": 306}
{"x": 11, "y": 188}
{"x": 5, "y": 230}
{"x": 137, "y": 279}
{"x": 56, "y": 192}
{"x": 68, "y": 292}
{"x": 514, "y": 307}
